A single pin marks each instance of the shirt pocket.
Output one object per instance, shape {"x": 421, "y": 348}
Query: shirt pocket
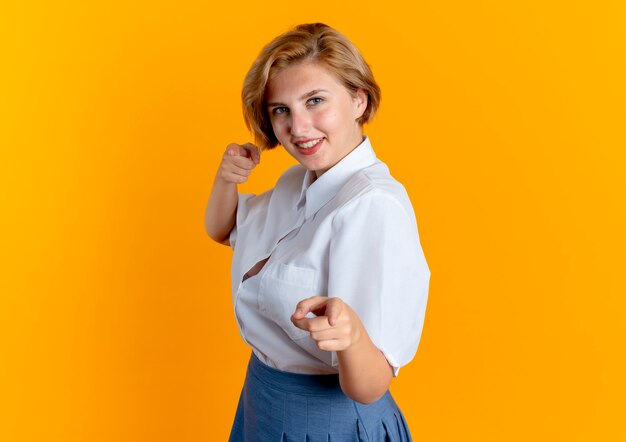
{"x": 281, "y": 288}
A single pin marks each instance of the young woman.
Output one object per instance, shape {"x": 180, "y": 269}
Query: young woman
{"x": 329, "y": 278}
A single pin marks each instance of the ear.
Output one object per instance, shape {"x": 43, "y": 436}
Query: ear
{"x": 360, "y": 102}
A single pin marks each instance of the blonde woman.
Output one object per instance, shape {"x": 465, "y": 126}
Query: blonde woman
{"x": 329, "y": 279}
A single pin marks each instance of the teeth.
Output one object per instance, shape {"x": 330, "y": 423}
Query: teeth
{"x": 309, "y": 144}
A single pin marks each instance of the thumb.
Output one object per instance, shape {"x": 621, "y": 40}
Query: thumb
{"x": 333, "y": 310}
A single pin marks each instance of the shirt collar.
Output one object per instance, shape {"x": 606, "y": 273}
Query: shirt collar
{"x": 317, "y": 192}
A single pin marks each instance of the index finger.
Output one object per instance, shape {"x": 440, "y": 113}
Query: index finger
{"x": 308, "y": 305}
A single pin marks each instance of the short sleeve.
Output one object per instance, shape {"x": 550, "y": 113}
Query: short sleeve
{"x": 242, "y": 214}
{"x": 377, "y": 266}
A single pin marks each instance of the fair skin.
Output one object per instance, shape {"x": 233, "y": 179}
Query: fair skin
{"x": 314, "y": 117}
{"x": 364, "y": 373}
{"x": 237, "y": 164}
{"x": 307, "y": 103}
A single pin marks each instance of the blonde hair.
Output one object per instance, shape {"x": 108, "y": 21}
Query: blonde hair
{"x": 315, "y": 42}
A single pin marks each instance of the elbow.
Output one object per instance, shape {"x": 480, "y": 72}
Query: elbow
{"x": 217, "y": 236}
{"x": 366, "y": 397}
{"x": 366, "y": 388}
{"x": 209, "y": 231}
{"x": 225, "y": 240}
{"x": 215, "y": 233}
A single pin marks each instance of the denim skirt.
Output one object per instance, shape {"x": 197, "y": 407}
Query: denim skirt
{"x": 278, "y": 406}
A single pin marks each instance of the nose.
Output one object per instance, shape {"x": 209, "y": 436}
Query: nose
{"x": 300, "y": 123}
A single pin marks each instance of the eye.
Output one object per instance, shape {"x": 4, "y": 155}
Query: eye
{"x": 279, "y": 110}
{"x": 316, "y": 100}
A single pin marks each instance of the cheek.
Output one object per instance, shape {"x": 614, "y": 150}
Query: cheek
{"x": 338, "y": 116}
{"x": 327, "y": 120}
{"x": 279, "y": 128}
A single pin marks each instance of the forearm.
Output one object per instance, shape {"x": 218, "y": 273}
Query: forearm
{"x": 364, "y": 373}
{"x": 221, "y": 211}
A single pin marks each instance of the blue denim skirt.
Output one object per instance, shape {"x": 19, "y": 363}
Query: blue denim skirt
{"x": 278, "y": 406}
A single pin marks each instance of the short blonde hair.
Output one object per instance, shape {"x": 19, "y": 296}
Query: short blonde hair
{"x": 316, "y": 42}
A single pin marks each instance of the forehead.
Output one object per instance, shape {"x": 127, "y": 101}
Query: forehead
{"x": 298, "y": 79}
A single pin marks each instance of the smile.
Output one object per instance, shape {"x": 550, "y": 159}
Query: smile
{"x": 310, "y": 147}
{"x": 308, "y": 144}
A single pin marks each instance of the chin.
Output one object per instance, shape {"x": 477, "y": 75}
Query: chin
{"x": 313, "y": 165}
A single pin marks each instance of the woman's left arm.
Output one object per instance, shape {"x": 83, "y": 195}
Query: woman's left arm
{"x": 364, "y": 373}
{"x": 378, "y": 281}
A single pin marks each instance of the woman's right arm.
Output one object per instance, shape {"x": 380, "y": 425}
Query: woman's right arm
{"x": 237, "y": 163}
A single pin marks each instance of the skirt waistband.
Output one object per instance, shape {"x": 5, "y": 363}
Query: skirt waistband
{"x": 309, "y": 384}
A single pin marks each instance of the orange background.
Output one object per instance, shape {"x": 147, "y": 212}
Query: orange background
{"x": 504, "y": 120}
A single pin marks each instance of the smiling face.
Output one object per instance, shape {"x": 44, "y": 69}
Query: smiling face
{"x": 314, "y": 116}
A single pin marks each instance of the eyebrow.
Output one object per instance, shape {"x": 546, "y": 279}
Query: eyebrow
{"x": 304, "y": 97}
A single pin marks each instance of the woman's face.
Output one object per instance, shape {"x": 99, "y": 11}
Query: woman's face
{"x": 314, "y": 116}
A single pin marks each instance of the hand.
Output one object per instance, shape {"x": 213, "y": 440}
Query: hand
{"x": 238, "y": 162}
{"x": 336, "y": 326}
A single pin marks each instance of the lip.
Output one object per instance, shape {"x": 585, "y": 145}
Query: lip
{"x": 311, "y": 150}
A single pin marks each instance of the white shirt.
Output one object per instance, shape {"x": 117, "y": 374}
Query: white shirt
{"x": 351, "y": 234}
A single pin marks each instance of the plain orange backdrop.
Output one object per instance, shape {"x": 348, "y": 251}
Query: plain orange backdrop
{"x": 504, "y": 121}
